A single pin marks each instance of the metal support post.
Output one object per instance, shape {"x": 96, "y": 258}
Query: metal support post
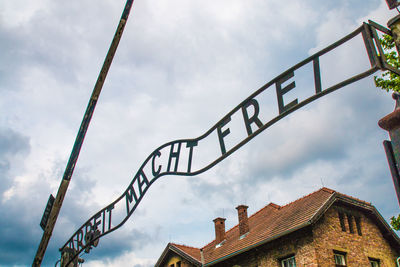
{"x": 80, "y": 137}
{"x": 391, "y": 123}
{"x": 394, "y": 25}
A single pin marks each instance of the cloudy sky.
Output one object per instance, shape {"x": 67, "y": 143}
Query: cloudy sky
{"x": 180, "y": 67}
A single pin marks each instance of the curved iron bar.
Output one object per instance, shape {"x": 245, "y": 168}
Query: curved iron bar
{"x": 377, "y": 62}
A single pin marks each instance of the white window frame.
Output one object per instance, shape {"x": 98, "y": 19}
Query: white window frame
{"x": 374, "y": 263}
{"x": 288, "y": 262}
{"x": 340, "y": 259}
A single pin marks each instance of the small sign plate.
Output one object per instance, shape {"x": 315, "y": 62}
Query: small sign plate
{"x": 46, "y": 212}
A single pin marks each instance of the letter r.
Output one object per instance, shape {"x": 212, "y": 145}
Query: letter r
{"x": 254, "y": 119}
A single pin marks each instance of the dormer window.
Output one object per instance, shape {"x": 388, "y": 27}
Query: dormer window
{"x": 243, "y": 236}
{"x": 220, "y": 244}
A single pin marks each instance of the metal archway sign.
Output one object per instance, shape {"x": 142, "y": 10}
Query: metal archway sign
{"x": 177, "y": 157}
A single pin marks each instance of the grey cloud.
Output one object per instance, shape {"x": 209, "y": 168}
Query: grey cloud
{"x": 119, "y": 243}
{"x": 13, "y": 148}
{"x": 204, "y": 189}
{"x": 15, "y": 233}
{"x": 20, "y": 229}
{"x": 201, "y": 63}
{"x": 54, "y": 41}
{"x": 12, "y": 143}
{"x": 17, "y": 243}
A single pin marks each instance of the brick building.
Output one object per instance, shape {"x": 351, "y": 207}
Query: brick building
{"x": 324, "y": 228}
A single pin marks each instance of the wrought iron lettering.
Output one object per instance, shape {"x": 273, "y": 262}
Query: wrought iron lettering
{"x": 253, "y": 119}
{"x": 281, "y": 91}
{"x": 79, "y": 238}
{"x": 171, "y": 155}
{"x": 109, "y": 210}
{"x": 190, "y": 145}
{"x": 96, "y": 222}
{"x": 153, "y": 169}
{"x": 223, "y": 133}
{"x": 128, "y": 196}
{"x": 317, "y": 76}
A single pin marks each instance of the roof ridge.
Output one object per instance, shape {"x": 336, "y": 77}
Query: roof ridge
{"x": 274, "y": 205}
{"x": 271, "y": 204}
{"x": 354, "y": 198}
{"x": 182, "y": 245}
{"x": 325, "y": 189}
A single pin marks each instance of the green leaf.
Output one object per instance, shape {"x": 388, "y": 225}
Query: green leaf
{"x": 395, "y": 222}
{"x": 388, "y": 80}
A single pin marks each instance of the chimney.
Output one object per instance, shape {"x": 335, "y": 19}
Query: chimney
{"x": 219, "y": 224}
{"x": 243, "y": 219}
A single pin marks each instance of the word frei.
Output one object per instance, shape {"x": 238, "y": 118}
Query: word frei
{"x": 177, "y": 157}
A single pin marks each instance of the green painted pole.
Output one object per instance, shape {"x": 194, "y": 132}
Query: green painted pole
{"x": 80, "y": 137}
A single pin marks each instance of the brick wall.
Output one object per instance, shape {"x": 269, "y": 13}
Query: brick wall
{"x": 269, "y": 255}
{"x": 329, "y": 236}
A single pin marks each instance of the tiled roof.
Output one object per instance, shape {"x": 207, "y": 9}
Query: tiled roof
{"x": 272, "y": 222}
{"x": 268, "y": 223}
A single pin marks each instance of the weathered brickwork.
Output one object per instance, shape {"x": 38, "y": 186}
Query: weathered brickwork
{"x": 328, "y": 236}
{"x": 314, "y": 246}
{"x": 299, "y": 244}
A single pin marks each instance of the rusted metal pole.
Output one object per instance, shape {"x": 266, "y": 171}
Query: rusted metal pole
{"x": 80, "y": 137}
{"x": 391, "y": 122}
{"x": 394, "y": 25}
